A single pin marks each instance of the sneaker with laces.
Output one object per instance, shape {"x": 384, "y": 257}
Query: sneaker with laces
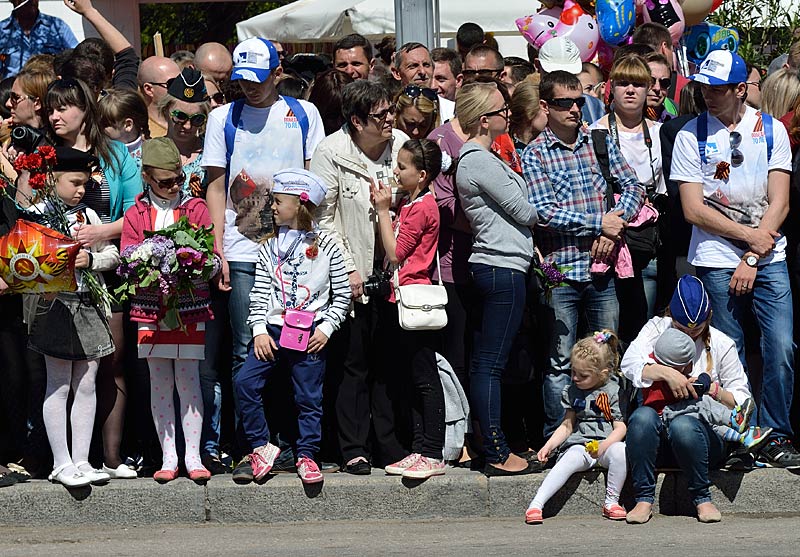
{"x": 400, "y": 466}
{"x": 424, "y": 468}
{"x": 262, "y": 459}
{"x": 780, "y": 453}
{"x": 740, "y": 416}
{"x": 243, "y": 473}
{"x": 308, "y": 471}
{"x": 754, "y": 437}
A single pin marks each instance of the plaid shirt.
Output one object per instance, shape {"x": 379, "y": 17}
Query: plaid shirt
{"x": 568, "y": 190}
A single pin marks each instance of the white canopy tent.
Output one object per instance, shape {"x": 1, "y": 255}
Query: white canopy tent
{"x": 329, "y": 20}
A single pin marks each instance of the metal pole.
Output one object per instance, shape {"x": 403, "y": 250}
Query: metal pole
{"x": 414, "y": 21}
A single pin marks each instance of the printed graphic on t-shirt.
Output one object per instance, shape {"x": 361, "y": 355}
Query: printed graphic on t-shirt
{"x": 251, "y": 201}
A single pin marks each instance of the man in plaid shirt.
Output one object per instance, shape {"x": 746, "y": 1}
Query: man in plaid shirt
{"x": 575, "y": 226}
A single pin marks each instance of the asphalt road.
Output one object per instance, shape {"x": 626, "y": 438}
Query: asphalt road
{"x": 588, "y": 536}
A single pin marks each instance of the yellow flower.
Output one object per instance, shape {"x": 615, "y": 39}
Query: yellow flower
{"x": 592, "y": 448}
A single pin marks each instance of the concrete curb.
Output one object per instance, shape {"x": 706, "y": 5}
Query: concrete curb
{"x": 283, "y": 498}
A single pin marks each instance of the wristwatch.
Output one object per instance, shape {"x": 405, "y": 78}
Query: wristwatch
{"x": 750, "y": 261}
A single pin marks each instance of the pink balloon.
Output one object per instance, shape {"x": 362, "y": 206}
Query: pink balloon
{"x": 571, "y": 22}
{"x": 539, "y": 27}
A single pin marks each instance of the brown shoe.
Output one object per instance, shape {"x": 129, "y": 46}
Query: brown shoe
{"x": 709, "y": 514}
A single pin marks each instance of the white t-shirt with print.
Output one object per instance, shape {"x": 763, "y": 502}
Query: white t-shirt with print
{"x": 267, "y": 140}
{"x": 745, "y": 187}
{"x": 636, "y": 154}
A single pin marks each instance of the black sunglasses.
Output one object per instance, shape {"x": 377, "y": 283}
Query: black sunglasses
{"x": 180, "y": 117}
{"x": 67, "y": 83}
{"x": 486, "y": 72}
{"x": 737, "y": 157}
{"x": 414, "y": 91}
{"x": 218, "y": 98}
{"x": 664, "y": 82}
{"x": 500, "y": 111}
{"x": 567, "y": 102}
{"x": 169, "y": 182}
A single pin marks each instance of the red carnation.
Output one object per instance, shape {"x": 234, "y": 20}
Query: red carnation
{"x": 38, "y": 180}
{"x": 312, "y": 251}
{"x": 48, "y": 152}
{"x": 35, "y": 161}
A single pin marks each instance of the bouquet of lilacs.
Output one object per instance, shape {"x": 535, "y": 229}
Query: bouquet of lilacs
{"x": 171, "y": 261}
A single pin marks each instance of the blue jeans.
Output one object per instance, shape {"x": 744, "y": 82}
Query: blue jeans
{"x": 243, "y": 278}
{"x": 771, "y": 302}
{"x": 307, "y": 371}
{"x": 687, "y": 441}
{"x": 502, "y": 295}
{"x": 597, "y": 300}
{"x": 209, "y": 377}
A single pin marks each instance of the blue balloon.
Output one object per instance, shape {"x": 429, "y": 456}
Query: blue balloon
{"x": 616, "y": 19}
{"x": 702, "y": 38}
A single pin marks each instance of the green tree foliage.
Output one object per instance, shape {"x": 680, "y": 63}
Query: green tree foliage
{"x": 190, "y": 24}
{"x": 765, "y": 26}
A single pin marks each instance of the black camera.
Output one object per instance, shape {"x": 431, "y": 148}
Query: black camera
{"x": 378, "y": 285}
{"x": 26, "y": 139}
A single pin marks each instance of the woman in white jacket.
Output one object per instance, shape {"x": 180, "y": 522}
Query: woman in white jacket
{"x": 695, "y": 446}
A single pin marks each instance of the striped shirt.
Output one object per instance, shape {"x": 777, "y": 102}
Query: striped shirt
{"x": 567, "y": 188}
{"x": 311, "y": 282}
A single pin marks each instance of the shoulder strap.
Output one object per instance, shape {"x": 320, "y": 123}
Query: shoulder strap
{"x": 302, "y": 119}
{"x": 231, "y": 125}
{"x": 766, "y": 119}
{"x": 601, "y": 152}
{"x": 702, "y": 135}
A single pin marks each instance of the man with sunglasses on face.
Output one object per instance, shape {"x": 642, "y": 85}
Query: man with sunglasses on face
{"x": 154, "y": 77}
{"x": 578, "y": 225}
{"x": 732, "y": 165}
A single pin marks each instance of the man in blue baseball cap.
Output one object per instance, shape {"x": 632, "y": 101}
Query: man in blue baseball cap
{"x": 733, "y": 164}
{"x": 247, "y": 142}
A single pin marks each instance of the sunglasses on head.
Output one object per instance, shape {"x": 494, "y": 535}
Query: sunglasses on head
{"x": 64, "y": 83}
{"x": 180, "y": 117}
{"x": 567, "y": 102}
{"x": 169, "y": 182}
{"x": 414, "y": 91}
{"x": 663, "y": 82}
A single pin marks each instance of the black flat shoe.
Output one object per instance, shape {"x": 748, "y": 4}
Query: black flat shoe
{"x": 533, "y": 467}
{"x": 7, "y": 480}
{"x": 360, "y": 468}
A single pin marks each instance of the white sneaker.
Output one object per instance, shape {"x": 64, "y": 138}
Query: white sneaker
{"x": 62, "y": 476}
{"x": 121, "y": 472}
{"x": 96, "y": 477}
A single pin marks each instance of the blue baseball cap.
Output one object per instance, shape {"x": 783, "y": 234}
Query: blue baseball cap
{"x": 690, "y": 305}
{"x": 721, "y": 67}
{"x": 254, "y": 59}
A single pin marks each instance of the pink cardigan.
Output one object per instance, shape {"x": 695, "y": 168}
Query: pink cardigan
{"x": 146, "y": 306}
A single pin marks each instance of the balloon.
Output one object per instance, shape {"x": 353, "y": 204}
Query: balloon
{"x": 715, "y": 4}
{"x": 668, "y": 13}
{"x": 695, "y": 11}
{"x": 703, "y": 38}
{"x": 35, "y": 259}
{"x": 615, "y": 18}
{"x": 605, "y": 56}
{"x": 539, "y": 27}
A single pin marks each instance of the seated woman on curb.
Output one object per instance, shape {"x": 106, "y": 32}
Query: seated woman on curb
{"x": 691, "y": 443}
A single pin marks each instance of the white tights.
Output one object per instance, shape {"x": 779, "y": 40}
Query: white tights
{"x": 576, "y": 459}
{"x": 165, "y": 375}
{"x": 63, "y": 375}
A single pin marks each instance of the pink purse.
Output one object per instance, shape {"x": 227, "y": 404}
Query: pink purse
{"x": 297, "y": 323}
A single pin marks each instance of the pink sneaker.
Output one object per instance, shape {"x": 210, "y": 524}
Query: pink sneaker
{"x": 308, "y": 471}
{"x": 424, "y": 468}
{"x": 399, "y": 467}
{"x": 533, "y": 516}
{"x": 262, "y": 458}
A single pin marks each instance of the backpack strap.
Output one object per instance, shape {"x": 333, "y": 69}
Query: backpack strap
{"x": 702, "y": 135}
{"x": 302, "y": 119}
{"x": 601, "y": 152}
{"x": 231, "y": 125}
{"x": 766, "y": 119}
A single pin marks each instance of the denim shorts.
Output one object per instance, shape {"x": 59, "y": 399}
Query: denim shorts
{"x": 70, "y": 327}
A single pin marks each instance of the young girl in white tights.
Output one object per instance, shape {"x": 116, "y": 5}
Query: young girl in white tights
{"x": 593, "y": 426}
{"x": 173, "y": 355}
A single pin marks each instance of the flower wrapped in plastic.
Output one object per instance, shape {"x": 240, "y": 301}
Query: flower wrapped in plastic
{"x": 171, "y": 265}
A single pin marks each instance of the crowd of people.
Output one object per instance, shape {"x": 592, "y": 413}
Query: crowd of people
{"x": 613, "y": 248}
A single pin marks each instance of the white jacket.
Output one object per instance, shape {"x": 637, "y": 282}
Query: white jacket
{"x": 346, "y": 214}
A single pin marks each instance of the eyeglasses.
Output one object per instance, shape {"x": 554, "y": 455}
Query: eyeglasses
{"x": 169, "y": 182}
{"x": 625, "y": 83}
{"x": 663, "y": 82}
{"x": 567, "y": 102}
{"x": 414, "y": 91}
{"x": 381, "y": 116}
{"x": 486, "y": 72}
{"x": 737, "y": 157}
{"x": 756, "y": 84}
{"x": 164, "y": 85}
{"x": 16, "y": 99}
{"x": 180, "y": 117}
{"x": 502, "y": 111}
{"x": 217, "y": 98}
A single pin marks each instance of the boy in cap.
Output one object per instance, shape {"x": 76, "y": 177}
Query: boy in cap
{"x": 246, "y": 143}
{"x": 732, "y": 165}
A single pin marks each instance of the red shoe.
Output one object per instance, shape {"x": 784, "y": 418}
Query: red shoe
{"x": 308, "y": 471}
{"x": 163, "y": 476}
{"x": 614, "y": 512}
{"x": 199, "y": 475}
{"x": 533, "y": 516}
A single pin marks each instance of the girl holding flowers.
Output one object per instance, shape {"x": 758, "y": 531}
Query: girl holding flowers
{"x": 171, "y": 324}
{"x": 593, "y": 426}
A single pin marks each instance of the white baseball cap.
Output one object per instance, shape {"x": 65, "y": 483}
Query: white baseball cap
{"x": 254, "y": 59}
{"x": 560, "y": 53}
{"x": 722, "y": 67}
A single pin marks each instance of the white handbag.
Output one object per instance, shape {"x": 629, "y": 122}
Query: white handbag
{"x": 421, "y": 307}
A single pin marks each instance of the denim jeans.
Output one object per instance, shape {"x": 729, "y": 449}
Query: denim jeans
{"x": 209, "y": 377}
{"x": 597, "y": 300}
{"x": 687, "y": 441}
{"x": 307, "y": 371}
{"x": 502, "y": 294}
{"x": 771, "y": 301}
{"x": 243, "y": 278}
